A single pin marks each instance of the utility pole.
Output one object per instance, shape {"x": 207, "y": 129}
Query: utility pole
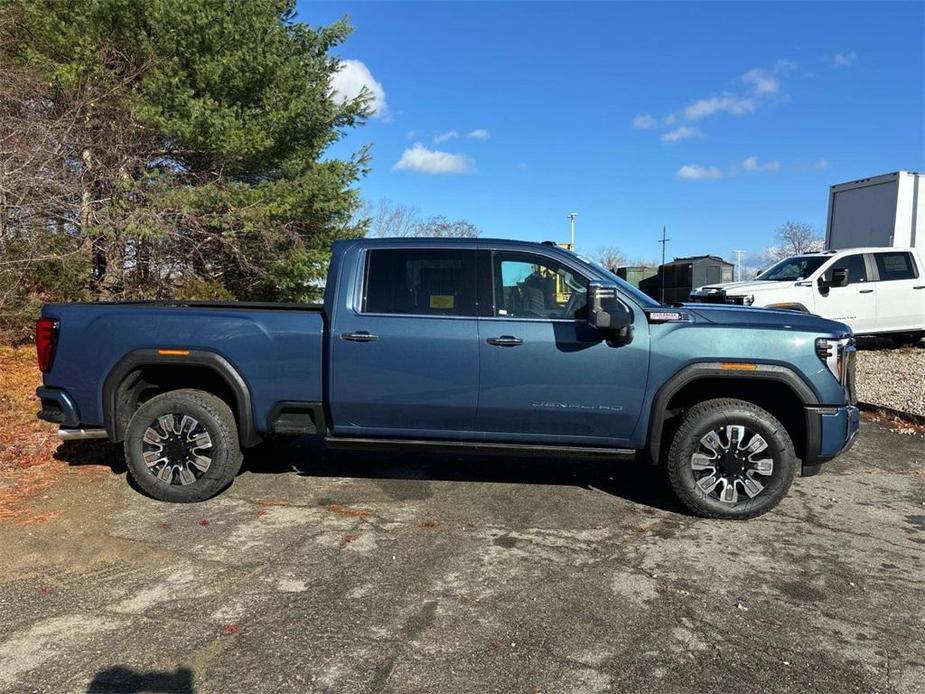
{"x": 738, "y": 265}
{"x": 661, "y": 271}
{"x": 571, "y": 219}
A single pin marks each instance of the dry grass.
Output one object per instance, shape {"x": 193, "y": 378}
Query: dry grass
{"x": 28, "y": 445}
{"x": 24, "y": 440}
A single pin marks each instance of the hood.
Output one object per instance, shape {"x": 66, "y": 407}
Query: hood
{"x": 725, "y": 314}
{"x": 746, "y": 287}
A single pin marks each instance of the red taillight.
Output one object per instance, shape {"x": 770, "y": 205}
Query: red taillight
{"x": 46, "y": 332}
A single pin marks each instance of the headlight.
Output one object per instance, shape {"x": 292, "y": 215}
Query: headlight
{"x": 748, "y": 299}
{"x": 832, "y": 354}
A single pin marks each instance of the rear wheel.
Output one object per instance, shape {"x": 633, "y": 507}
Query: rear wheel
{"x": 182, "y": 446}
{"x": 730, "y": 459}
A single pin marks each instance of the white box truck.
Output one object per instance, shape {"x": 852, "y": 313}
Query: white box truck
{"x": 881, "y": 211}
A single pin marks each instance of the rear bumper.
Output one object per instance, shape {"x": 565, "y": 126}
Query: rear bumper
{"x": 57, "y": 407}
{"x": 830, "y": 431}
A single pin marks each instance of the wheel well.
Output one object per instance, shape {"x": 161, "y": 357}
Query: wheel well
{"x": 144, "y": 382}
{"x": 774, "y": 396}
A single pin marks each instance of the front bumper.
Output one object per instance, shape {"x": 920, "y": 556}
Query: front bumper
{"x": 830, "y": 431}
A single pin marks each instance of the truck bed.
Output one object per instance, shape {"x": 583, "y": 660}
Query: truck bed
{"x": 276, "y": 348}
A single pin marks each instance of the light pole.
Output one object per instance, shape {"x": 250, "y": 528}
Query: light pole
{"x": 738, "y": 265}
{"x": 571, "y": 219}
{"x": 661, "y": 270}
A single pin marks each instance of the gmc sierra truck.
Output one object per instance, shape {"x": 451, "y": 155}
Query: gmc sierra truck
{"x": 485, "y": 346}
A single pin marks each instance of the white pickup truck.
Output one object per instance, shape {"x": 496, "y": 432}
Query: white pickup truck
{"x": 876, "y": 291}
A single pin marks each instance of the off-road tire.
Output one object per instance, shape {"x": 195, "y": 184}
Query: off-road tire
{"x": 708, "y": 416}
{"x": 216, "y": 418}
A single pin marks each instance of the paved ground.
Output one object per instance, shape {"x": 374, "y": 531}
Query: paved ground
{"x": 349, "y": 573}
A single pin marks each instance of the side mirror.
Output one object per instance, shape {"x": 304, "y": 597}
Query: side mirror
{"x": 839, "y": 279}
{"x": 605, "y": 311}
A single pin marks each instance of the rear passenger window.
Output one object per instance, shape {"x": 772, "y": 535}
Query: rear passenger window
{"x": 432, "y": 282}
{"x": 895, "y": 266}
{"x": 854, "y": 264}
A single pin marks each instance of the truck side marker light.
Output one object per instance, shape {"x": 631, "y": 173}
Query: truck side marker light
{"x": 735, "y": 366}
{"x": 173, "y": 352}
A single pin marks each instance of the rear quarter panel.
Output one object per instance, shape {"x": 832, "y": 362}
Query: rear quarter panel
{"x": 277, "y": 353}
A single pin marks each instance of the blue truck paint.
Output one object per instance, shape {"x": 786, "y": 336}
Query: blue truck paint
{"x": 434, "y": 377}
{"x": 277, "y": 353}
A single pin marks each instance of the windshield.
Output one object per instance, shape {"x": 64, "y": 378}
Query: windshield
{"x": 641, "y": 297}
{"x": 798, "y": 267}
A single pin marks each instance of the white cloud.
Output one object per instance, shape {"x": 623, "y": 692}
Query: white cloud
{"x": 734, "y": 105}
{"x": 762, "y": 81}
{"x": 443, "y": 137}
{"x": 430, "y": 161}
{"x": 755, "y": 86}
{"x": 821, "y": 164}
{"x": 695, "y": 172}
{"x": 684, "y": 132}
{"x": 478, "y": 134}
{"x": 751, "y": 164}
{"x": 843, "y": 59}
{"x": 349, "y": 81}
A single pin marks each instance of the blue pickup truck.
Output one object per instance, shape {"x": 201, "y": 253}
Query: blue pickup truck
{"x": 487, "y": 346}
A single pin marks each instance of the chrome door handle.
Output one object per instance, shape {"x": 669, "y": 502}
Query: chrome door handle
{"x": 505, "y": 341}
{"x": 359, "y": 336}
{"x": 866, "y": 291}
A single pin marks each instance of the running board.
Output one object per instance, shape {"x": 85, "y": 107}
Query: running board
{"x": 80, "y": 434}
{"x": 476, "y": 447}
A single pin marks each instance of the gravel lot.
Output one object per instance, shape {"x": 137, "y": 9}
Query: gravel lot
{"x": 893, "y": 377}
{"x": 319, "y": 572}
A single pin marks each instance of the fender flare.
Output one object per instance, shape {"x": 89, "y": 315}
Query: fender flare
{"x": 700, "y": 370}
{"x": 138, "y": 358}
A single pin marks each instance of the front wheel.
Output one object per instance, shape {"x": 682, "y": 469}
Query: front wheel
{"x": 730, "y": 459}
{"x": 182, "y": 446}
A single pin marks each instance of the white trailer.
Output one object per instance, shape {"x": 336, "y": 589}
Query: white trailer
{"x": 881, "y": 211}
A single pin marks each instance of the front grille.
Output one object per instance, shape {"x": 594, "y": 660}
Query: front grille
{"x": 717, "y": 298}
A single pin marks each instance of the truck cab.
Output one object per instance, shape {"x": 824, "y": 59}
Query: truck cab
{"x": 872, "y": 290}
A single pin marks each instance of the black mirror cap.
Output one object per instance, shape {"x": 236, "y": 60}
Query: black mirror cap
{"x": 605, "y": 310}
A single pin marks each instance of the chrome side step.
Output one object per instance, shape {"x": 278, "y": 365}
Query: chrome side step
{"x": 476, "y": 447}
{"x": 80, "y": 434}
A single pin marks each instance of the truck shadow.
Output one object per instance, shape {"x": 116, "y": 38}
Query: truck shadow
{"x": 626, "y": 479}
{"x": 125, "y": 680}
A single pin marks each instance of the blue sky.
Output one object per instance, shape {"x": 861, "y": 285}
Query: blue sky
{"x": 719, "y": 120}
